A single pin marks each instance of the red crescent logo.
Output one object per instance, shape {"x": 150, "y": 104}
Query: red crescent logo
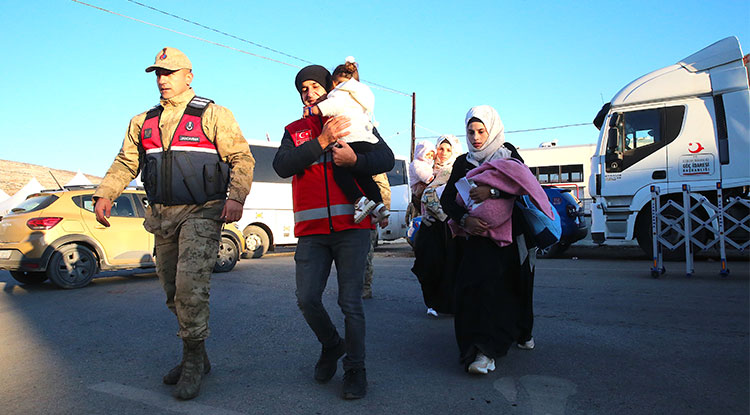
{"x": 695, "y": 147}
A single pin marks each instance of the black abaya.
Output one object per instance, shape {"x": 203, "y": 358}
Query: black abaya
{"x": 435, "y": 263}
{"x": 494, "y": 285}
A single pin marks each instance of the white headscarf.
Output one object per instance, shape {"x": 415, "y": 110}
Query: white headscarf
{"x": 455, "y": 147}
{"x": 493, "y": 148}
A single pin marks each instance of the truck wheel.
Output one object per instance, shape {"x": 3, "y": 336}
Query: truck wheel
{"x": 645, "y": 240}
{"x": 28, "y": 277}
{"x": 228, "y": 255}
{"x": 257, "y": 241}
{"x": 72, "y": 266}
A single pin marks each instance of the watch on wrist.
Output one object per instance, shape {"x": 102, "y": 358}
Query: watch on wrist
{"x": 462, "y": 222}
{"x": 494, "y": 193}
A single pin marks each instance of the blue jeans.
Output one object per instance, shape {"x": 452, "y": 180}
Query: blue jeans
{"x": 313, "y": 257}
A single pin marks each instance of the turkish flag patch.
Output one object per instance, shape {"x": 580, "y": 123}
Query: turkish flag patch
{"x": 301, "y": 137}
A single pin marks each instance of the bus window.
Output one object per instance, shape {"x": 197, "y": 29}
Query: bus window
{"x": 572, "y": 173}
{"x": 264, "y": 171}
{"x": 397, "y": 175}
{"x": 549, "y": 174}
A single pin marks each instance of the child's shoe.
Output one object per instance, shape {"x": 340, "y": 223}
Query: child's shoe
{"x": 379, "y": 213}
{"x": 362, "y": 208}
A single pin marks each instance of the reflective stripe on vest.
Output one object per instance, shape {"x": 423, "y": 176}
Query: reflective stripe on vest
{"x": 322, "y": 213}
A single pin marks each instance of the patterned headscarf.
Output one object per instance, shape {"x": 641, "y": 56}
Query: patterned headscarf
{"x": 493, "y": 148}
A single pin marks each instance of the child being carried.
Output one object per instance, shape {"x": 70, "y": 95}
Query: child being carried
{"x": 355, "y": 100}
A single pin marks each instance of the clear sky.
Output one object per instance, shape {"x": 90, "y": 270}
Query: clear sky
{"x": 73, "y": 76}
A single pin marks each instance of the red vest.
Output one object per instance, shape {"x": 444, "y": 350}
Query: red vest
{"x": 320, "y": 206}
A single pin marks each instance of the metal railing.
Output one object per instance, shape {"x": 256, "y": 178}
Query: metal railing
{"x": 714, "y": 226}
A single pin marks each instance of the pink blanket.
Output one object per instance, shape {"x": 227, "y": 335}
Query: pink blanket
{"x": 510, "y": 176}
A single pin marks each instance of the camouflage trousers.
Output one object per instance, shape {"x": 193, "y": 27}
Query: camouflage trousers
{"x": 184, "y": 263}
{"x": 367, "y": 287}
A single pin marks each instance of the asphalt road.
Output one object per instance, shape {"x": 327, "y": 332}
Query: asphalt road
{"x": 610, "y": 340}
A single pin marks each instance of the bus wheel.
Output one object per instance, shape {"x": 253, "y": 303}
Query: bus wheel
{"x": 257, "y": 241}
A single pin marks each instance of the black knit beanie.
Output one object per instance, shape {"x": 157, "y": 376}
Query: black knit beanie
{"x": 315, "y": 73}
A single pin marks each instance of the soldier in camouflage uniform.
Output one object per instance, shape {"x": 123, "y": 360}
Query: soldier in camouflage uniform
{"x": 385, "y": 191}
{"x": 186, "y": 221}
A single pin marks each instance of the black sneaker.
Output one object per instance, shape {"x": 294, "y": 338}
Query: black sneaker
{"x": 329, "y": 359}
{"x": 355, "y": 384}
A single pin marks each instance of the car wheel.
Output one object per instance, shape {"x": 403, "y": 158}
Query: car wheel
{"x": 28, "y": 277}
{"x": 228, "y": 255}
{"x": 257, "y": 241}
{"x": 72, "y": 266}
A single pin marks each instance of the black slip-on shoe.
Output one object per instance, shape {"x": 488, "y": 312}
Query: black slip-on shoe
{"x": 355, "y": 384}
{"x": 328, "y": 361}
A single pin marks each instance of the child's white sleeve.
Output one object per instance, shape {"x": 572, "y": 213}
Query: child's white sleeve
{"x": 335, "y": 104}
{"x": 362, "y": 94}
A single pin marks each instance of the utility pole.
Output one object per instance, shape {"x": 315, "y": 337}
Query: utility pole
{"x": 413, "y": 123}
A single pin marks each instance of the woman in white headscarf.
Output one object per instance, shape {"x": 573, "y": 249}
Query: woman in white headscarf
{"x": 447, "y": 150}
{"x": 434, "y": 248}
{"x": 493, "y": 299}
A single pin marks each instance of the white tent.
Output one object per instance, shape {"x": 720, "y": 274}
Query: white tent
{"x": 78, "y": 180}
{"x": 32, "y": 186}
{"x": 3, "y": 196}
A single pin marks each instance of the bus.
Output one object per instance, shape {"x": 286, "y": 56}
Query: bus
{"x": 268, "y": 218}
{"x": 567, "y": 167}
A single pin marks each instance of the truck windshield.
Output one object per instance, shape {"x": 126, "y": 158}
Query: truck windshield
{"x": 640, "y": 133}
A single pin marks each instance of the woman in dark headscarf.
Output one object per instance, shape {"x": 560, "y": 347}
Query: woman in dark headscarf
{"x": 434, "y": 249}
{"x": 493, "y": 282}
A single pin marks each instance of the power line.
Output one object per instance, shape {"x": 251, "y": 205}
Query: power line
{"x": 185, "y": 34}
{"x": 382, "y": 87}
{"x": 549, "y": 128}
{"x": 521, "y": 131}
{"x": 378, "y": 86}
{"x": 218, "y": 31}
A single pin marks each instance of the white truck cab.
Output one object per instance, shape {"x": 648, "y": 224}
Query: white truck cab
{"x": 688, "y": 123}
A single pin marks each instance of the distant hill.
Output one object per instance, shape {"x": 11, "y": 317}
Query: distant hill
{"x": 14, "y": 175}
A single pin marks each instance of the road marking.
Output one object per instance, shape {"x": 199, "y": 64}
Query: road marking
{"x": 547, "y": 395}
{"x": 158, "y": 400}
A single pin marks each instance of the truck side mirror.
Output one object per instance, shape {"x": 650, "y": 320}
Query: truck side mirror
{"x": 612, "y": 140}
{"x": 614, "y": 119}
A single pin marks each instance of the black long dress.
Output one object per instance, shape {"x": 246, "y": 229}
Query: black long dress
{"x": 436, "y": 255}
{"x": 494, "y": 285}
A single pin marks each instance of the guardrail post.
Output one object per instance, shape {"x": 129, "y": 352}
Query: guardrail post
{"x": 689, "y": 268}
{"x": 658, "y": 268}
{"x": 724, "y": 271}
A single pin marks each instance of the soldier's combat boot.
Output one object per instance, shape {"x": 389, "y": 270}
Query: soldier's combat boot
{"x": 192, "y": 370}
{"x": 173, "y": 376}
